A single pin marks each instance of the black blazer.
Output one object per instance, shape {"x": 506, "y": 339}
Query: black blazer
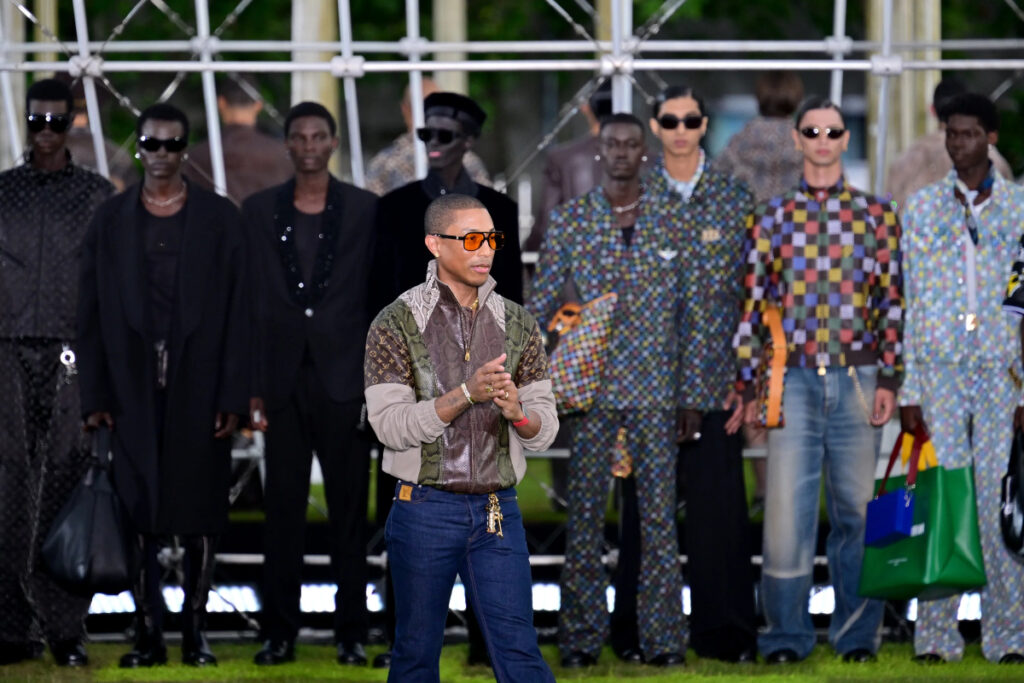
{"x": 329, "y": 316}
{"x": 178, "y": 483}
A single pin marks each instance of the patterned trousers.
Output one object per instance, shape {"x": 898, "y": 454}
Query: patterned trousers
{"x": 40, "y": 464}
{"x": 583, "y": 619}
{"x": 953, "y": 395}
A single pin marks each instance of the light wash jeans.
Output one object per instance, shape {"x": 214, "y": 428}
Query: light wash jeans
{"x": 827, "y": 432}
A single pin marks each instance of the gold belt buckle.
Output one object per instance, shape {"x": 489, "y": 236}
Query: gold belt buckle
{"x": 971, "y": 322}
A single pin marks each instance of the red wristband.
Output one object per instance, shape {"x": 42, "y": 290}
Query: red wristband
{"x": 524, "y": 421}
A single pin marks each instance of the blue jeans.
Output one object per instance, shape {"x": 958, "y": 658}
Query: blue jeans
{"x": 826, "y": 432}
{"x": 435, "y": 535}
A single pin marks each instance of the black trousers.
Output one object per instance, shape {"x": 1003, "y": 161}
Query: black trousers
{"x": 312, "y": 421}
{"x": 41, "y": 462}
{"x": 717, "y": 542}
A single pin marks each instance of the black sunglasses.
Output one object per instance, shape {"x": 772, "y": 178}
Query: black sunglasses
{"x": 58, "y": 122}
{"x": 151, "y": 144}
{"x": 671, "y": 121}
{"x": 442, "y": 135}
{"x": 813, "y": 132}
{"x": 472, "y": 241}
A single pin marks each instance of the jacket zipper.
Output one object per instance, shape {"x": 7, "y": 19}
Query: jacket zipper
{"x": 466, "y": 342}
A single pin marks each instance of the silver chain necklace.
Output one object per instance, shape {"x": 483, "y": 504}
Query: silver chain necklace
{"x": 628, "y": 207}
{"x": 164, "y": 203}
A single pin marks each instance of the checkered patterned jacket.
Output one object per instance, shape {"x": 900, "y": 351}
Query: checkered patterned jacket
{"x": 829, "y": 258}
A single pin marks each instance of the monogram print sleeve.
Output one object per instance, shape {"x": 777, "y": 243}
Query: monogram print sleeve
{"x": 387, "y": 355}
{"x": 552, "y": 269}
{"x": 533, "y": 365}
{"x": 910, "y": 391}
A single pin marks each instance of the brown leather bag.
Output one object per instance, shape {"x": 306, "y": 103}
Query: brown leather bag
{"x": 772, "y": 371}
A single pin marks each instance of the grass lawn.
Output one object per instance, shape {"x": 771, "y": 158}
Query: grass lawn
{"x": 316, "y": 663}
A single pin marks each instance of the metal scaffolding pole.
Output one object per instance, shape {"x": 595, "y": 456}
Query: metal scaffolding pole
{"x": 881, "y": 124}
{"x": 512, "y": 65}
{"x": 210, "y": 99}
{"x": 622, "y": 27}
{"x": 829, "y": 46}
{"x": 355, "y": 142}
{"x": 835, "y": 92}
{"x": 412, "y": 35}
{"x": 92, "y": 104}
{"x": 7, "y": 92}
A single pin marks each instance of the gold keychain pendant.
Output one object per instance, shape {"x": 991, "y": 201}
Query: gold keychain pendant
{"x": 494, "y": 516}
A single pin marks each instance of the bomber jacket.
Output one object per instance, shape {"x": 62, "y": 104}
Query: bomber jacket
{"x": 426, "y": 344}
{"x": 829, "y": 259}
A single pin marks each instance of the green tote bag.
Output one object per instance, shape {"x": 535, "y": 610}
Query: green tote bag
{"x": 942, "y": 556}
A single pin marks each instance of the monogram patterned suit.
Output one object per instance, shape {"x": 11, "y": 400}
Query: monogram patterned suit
{"x": 640, "y": 393}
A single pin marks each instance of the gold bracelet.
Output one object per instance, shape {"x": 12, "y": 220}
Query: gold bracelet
{"x": 466, "y": 392}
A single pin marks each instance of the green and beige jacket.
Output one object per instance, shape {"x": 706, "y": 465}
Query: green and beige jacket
{"x": 425, "y": 344}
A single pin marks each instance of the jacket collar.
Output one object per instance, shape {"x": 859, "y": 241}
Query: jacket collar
{"x": 820, "y": 193}
{"x": 993, "y": 184}
{"x": 434, "y": 188}
{"x": 40, "y": 176}
{"x": 432, "y": 283}
{"x": 307, "y": 294}
{"x": 657, "y": 183}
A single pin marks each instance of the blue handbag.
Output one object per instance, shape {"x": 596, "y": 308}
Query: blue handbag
{"x": 890, "y": 516}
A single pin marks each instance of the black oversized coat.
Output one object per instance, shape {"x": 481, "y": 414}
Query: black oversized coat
{"x": 179, "y": 485}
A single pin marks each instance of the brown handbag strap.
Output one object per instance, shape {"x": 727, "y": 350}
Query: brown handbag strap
{"x": 920, "y": 436}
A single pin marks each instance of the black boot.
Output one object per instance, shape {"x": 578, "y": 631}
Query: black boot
{"x": 149, "y": 646}
{"x": 199, "y": 561}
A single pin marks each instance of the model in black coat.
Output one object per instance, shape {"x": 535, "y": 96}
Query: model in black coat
{"x": 178, "y": 484}
{"x": 163, "y": 349}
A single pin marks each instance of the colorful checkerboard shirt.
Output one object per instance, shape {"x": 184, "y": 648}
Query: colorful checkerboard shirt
{"x": 829, "y": 258}
{"x": 583, "y": 245}
{"x": 711, "y": 223}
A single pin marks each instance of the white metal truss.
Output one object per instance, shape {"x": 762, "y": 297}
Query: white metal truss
{"x": 618, "y": 59}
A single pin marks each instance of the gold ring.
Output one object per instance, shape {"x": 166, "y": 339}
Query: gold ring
{"x": 489, "y": 388}
{"x": 506, "y": 395}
